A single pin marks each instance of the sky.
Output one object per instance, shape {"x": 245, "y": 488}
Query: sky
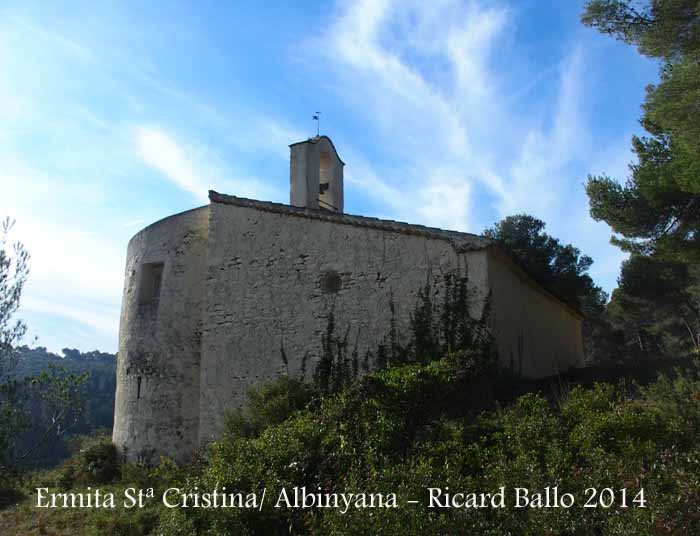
{"x": 447, "y": 113}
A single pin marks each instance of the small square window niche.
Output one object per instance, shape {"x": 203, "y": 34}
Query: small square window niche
{"x": 151, "y": 278}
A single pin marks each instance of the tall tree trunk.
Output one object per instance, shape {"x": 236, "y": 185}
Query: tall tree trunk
{"x": 693, "y": 336}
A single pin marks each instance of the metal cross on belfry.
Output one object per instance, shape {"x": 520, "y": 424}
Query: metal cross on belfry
{"x": 317, "y": 118}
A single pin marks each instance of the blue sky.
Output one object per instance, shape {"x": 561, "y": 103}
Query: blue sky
{"x": 447, "y": 113}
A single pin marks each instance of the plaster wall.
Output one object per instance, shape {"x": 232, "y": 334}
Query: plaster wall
{"x": 305, "y": 174}
{"x": 304, "y": 179}
{"x": 536, "y": 335}
{"x": 241, "y": 283}
{"x": 156, "y": 409}
{"x": 264, "y": 292}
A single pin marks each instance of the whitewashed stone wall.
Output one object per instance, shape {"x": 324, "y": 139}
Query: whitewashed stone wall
{"x": 536, "y": 334}
{"x": 264, "y": 291}
{"x": 156, "y": 407}
{"x": 243, "y": 279}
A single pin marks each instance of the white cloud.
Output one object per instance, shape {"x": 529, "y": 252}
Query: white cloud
{"x": 51, "y": 39}
{"x": 134, "y": 223}
{"x": 158, "y": 150}
{"x": 62, "y": 153}
{"x": 384, "y": 56}
{"x": 101, "y": 323}
{"x": 76, "y": 273}
{"x": 461, "y": 138}
{"x": 445, "y": 201}
{"x": 258, "y": 134}
{"x": 195, "y": 170}
{"x": 431, "y": 81}
{"x": 537, "y": 178}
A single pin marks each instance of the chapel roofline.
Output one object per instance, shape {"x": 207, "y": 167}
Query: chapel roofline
{"x": 167, "y": 220}
{"x": 462, "y": 242}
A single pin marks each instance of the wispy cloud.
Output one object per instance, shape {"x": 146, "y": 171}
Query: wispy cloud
{"x": 52, "y": 39}
{"x": 158, "y": 150}
{"x": 76, "y": 272}
{"x": 100, "y": 322}
{"x": 195, "y": 169}
{"x": 80, "y": 117}
{"x": 537, "y": 179}
{"x": 429, "y": 81}
{"x": 134, "y": 223}
{"x": 420, "y": 75}
{"x": 441, "y": 114}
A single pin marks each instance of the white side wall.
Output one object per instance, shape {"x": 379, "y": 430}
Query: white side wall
{"x": 535, "y": 333}
{"x": 156, "y": 408}
{"x": 264, "y": 273}
{"x": 240, "y": 283}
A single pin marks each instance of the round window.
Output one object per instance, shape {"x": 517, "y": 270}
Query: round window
{"x": 331, "y": 282}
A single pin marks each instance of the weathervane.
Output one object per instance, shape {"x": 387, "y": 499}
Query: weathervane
{"x": 317, "y": 118}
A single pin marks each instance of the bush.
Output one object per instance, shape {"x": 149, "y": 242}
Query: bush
{"x": 408, "y": 428}
{"x": 94, "y": 461}
{"x": 269, "y": 404}
{"x": 416, "y": 426}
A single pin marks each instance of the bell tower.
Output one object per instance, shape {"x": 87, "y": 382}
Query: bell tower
{"x": 316, "y": 175}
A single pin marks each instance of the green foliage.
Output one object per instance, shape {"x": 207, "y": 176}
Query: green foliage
{"x": 564, "y": 271}
{"x": 658, "y": 209}
{"x": 408, "y": 428}
{"x": 666, "y": 29}
{"x": 34, "y": 409}
{"x": 424, "y": 343}
{"x": 94, "y": 462}
{"x": 370, "y": 426}
{"x": 94, "y": 465}
{"x": 14, "y": 269}
{"x": 335, "y": 369}
{"x": 671, "y": 107}
{"x": 14, "y": 418}
{"x": 57, "y": 397}
{"x": 98, "y": 389}
{"x": 656, "y": 212}
{"x": 656, "y": 308}
{"x": 452, "y": 325}
{"x": 411, "y": 427}
{"x": 560, "y": 268}
{"x": 271, "y": 403}
{"x": 444, "y": 320}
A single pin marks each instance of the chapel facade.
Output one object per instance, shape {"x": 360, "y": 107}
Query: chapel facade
{"x": 213, "y": 295}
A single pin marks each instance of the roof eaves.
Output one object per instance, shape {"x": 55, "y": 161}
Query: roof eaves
{"x": 462, "y": 242}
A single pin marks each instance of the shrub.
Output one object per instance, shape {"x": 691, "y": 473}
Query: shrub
{"x": 269, "y": 404}
{"x": 411, "y": 427}
{"x": 95, "y": 461}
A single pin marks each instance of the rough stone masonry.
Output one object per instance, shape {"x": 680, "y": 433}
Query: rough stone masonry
{"x": 212, "y": 295}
